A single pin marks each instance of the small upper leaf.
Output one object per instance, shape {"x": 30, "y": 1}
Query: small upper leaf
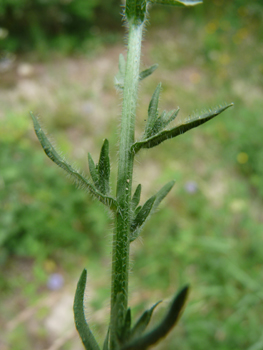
{"x": 104, "y": 168}
{"x": 145, "y": 73}
{"x": 141, "y": 214}
{"x": 152, "y": 112}
{"x": 124, "y": 333}
{"x": 136, "y": 197}
{"x": 142, "y": 322}
{"x": 93, "y": 171}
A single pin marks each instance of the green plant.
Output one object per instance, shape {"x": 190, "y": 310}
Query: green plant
{"x": 129, "y": 215}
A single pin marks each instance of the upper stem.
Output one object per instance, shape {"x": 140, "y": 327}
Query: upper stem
{"x": 121, "y": 240}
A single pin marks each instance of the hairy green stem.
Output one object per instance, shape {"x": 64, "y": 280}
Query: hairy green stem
{"x": 120, "y": 253}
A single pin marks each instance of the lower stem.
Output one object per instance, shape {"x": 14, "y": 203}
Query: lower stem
{"x": 121, "y": 239}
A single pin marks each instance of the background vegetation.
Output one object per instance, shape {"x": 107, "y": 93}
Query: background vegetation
{"x": 58, "y": 59}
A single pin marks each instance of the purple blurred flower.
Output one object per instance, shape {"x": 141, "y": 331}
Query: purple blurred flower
{"x": 55, "y": 281}
{"x": 191, "y": 187}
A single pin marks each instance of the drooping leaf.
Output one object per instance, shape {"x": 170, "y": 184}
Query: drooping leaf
{"x": 168, "y": 322}
{"x": 178, "y": 3}
{"x": 136, "y": 197}
{"x": 83, "y": 329}
{"x": 142, "y": 322}
{"x": 145, "y": 73}
{"x": 152, "y": 112}
{"x": 61, "y": 162}
{"x": 104, "y": 168}
{"x": 191, "y": 123}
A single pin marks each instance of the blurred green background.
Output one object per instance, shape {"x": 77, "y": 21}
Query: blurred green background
{"x": 58, "y": 59}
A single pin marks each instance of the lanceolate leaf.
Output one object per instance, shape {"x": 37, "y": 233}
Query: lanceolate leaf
{"x": 79, "y": 314}
{"x": 152, "y": 112}
{"x": 93, "y": 171}
{"x": 167, "y": 118}
{"x": 191, "y": 123}
{"x": 142, "y": 322}
{"x": 56, "y": 158}
{"x": 143, "y": 213}
{"x": 136, "y": 197}
{"x": 145, "y": 73}
{"x": 169, "y": 321}
{"x": 162, "y": 193}
{"x": 125, "y": 331}
{"x": 177, "y": 2}
{"x": 104, "y": 168}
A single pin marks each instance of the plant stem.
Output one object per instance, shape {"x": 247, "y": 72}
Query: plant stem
{"x": 120, "y": 252}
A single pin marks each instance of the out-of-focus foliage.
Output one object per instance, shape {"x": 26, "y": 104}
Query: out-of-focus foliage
{"x": 38, "y": 24}
{"x": 67, "y": 24}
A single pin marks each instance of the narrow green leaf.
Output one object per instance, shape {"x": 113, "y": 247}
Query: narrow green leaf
{"x": 142, "y": 214}
{"x": 177, "y": 2}
{"x": 125, "y": 331}
{"x": 106, "y": 341}
{"x": 168, "y": 322}
{"x": 93, "y": 171}
{"x": 136, "y": 211}
{"x": 61, "y": 162}
{"x": 141, "y": 217}
{"x": 163, "y": 120}
{"x": 145, "y": 73}
{"x": 85, "y": 333}
{"x": 104, "y": 168}
{"x": 169, "y": 117}
{"x": 152, "y": 112}
{"x": 191, "y": 123}
{"x": 162, "y": 193}
{"x": 136, "y": 197}
{"x": 142, "y": 322}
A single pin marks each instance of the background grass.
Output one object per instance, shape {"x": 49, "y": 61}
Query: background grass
{"x": 209, "y": 230}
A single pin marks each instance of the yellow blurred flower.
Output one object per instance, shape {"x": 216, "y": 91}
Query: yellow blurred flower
{"x": 242, "y": 158}
{"x": 49, "y": 265}
{"x": 224, "y": 59}
{"x": 211, "y": 27}
{"x": 240, "y": 35}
